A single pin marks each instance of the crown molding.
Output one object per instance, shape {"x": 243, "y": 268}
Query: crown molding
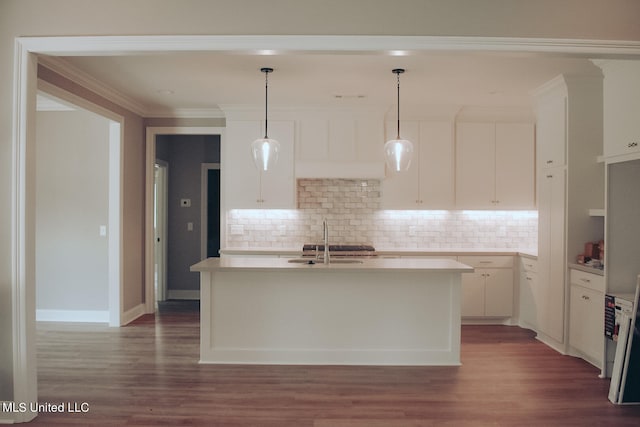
{"x": 187, "y": 113}
{"x": 89, "y": 82}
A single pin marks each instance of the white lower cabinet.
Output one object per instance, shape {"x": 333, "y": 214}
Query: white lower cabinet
{"x": 529, "y": 293}
{"x": 586, "y": 316}
{"x": 488, "y": 291}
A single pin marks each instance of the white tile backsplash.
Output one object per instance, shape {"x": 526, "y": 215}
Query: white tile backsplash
{"x": 351, "y": 208}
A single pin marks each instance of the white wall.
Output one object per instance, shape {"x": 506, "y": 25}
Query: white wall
{"x": 72, "y": 185}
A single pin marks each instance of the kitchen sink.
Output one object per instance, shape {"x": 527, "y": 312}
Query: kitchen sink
{"x": 333, "y": 261}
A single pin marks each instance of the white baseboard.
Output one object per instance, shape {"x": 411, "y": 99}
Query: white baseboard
{"x": 132, "y": 314}
{"x": 181, "y": 294}
{"x": 84, "y": 316}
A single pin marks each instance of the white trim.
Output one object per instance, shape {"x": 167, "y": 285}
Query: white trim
{"x": 25, "y": 77}
{"x": 151, "y": 133}
{"x": 78, "y": 76}
{"x": 132, "y": 314}
{"x": 116, "y": 212}
{"x": 183, "y": 294}
{"x": 120, "y": 45}
{"x": 204, "y": 191}
{"x": 161, "y": 220}
{"x": 23, "y": 230}
{"x": 84, "y": 316}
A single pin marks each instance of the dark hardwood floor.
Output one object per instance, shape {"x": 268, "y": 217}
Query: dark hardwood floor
{"x": 147, "y": 374}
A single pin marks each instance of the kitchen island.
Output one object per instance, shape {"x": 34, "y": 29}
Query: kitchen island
{"x": 349, "y": 312}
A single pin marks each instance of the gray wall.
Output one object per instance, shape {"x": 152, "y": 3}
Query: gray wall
{"x": 185, "y": 154}
{"x": 72, "y": 183}
{"x": 586, "y": 19}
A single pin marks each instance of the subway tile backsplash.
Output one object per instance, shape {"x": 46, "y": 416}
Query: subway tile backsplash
{"x": 352, "y": 209}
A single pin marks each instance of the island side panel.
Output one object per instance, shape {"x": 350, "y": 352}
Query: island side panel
{"x": 331, "y": 317}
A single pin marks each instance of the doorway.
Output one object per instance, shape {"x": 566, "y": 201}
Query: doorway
{"x": 95, "y": 202}
{"x": 182, "y": 204}
{"x": 210, "y": 211}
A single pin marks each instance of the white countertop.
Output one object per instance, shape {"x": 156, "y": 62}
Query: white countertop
{"x": 372, "y": 264}
{"x": 531, "y": 253}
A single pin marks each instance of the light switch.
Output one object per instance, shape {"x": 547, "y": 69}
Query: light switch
{"x": 185, "y": 203}
{"x": 103, "y": 230}
{"x": 189, "y": 226}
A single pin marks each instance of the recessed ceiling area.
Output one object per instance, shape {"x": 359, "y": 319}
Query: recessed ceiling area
{"x": 168, "y": 82}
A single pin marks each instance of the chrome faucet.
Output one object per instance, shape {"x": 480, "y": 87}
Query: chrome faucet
{"x": 325, "y": 236}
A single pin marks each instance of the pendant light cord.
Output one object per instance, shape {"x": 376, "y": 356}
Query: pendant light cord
{"x": 266, "y": 72}
{"x": 266, "y": 104}
{"x": 398, "y": 76}
{"x": 397, "y": 72}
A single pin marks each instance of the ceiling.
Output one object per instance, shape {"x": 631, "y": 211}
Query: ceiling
{"x": 189, "y": 81}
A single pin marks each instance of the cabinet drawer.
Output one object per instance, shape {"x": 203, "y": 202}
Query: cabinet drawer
{"x": 587, "y": 280}
{"x": 487, "y": 261}
{"x": 529, "y": 265}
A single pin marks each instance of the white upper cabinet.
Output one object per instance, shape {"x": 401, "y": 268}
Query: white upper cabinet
{"x": 621, "y": 96}
{"x": 345, "y": 144}
{"x": 551, "y": 132}
{"x": 476, "y": 163}
{"x": 494, "y": 165}
{"x": 428, "y": 184}
{"x": 245, "y": 187}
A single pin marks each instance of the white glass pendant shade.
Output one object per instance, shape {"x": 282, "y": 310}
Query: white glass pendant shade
{"x": 265, "y": 153}
{"x": 398, "y": 154}
{"x": 265, "y": 150}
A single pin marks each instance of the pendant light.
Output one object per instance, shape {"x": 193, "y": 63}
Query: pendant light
{"x": 265, "y": 150}
{"x": 398, "y": 152}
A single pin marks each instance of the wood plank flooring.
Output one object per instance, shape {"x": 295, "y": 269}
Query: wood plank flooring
{"x": 148, "y": 374}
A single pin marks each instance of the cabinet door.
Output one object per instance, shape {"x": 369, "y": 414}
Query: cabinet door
{"x": 621, "y": 105}
{"x": 551, "y": 259}
{"x": 514, "y": 166}
{"x": 277, "y": 186}
{"x": 586, "y": 322}
{"x": 551, "y": 131}
{"x": 436, "y": 165}
{"x": 498, "y": 294}
{"x": 529, "y": 299}
{"x": 241, "y": 177}
{"x": 473, "y": 294}
{"x": 245, "y": 185}
{"x": 401, "y": 190}
{"x": 475, "y": 165}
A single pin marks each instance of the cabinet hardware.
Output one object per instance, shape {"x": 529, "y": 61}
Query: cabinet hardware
{"x": 585, "y": 280}
{"x": 486, "y": 262}
{"x": 632, "y": 144}
{"x": 585, "y": 297}
{"x": 529, "y": 278}
{"x": 549, "y": 162}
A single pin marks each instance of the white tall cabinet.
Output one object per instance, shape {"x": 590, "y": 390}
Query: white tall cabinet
{"x": 570, "y": 182}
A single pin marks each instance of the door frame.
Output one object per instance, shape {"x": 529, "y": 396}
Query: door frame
{"x": 161, "y": 212}
{"x": 152, "y": 132}
{"x": 23, "y": 129}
